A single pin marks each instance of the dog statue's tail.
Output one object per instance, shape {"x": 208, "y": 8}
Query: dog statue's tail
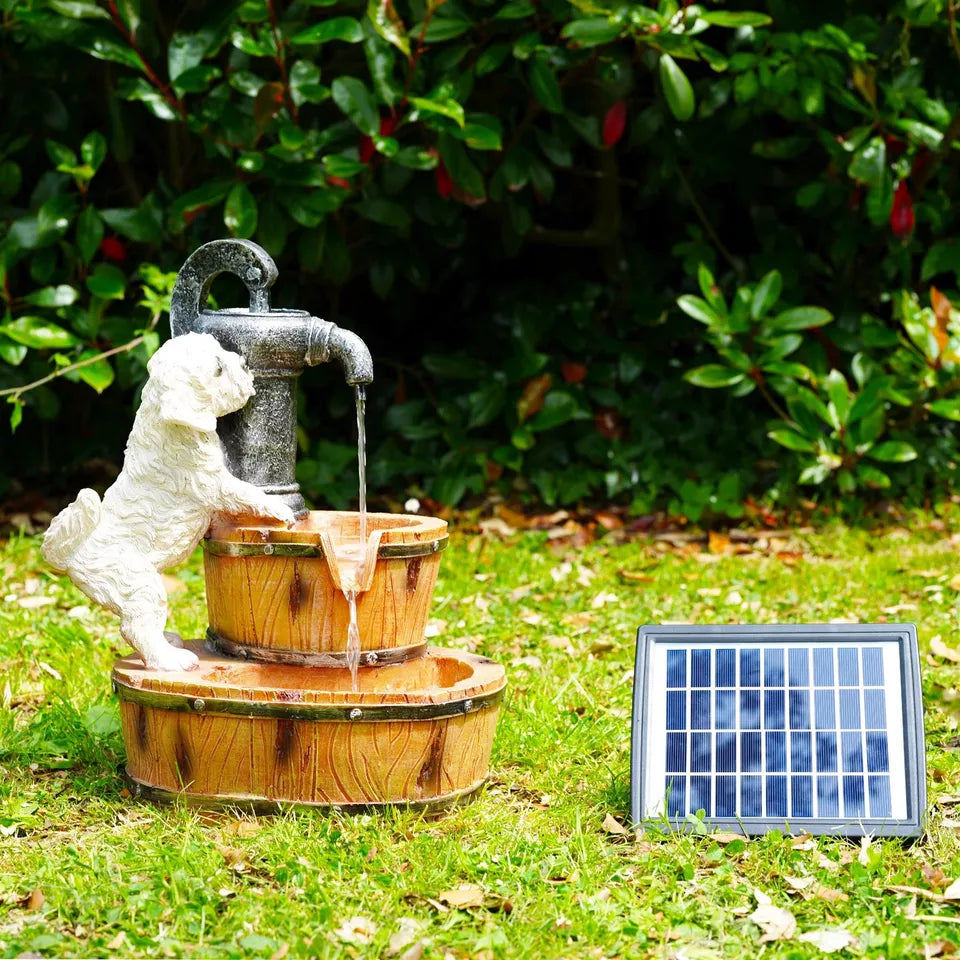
{"x": 70, "y": 528}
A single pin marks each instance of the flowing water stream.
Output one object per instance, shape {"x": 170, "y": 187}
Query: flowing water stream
{"x": 353, "y": 558}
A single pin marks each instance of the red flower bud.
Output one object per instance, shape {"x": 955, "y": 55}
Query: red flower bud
{"x": 895, "y": 146}
{"x": 443, "y": 179}
{"x": 607, "y": 422}
{"x": 615, "y": 122}
{"x": 921, "y": 163}
{"x": 902, "y": 218}
{"x": 113, "y": 249}
{"x": 573, "y": 372}
{"x": 340, "y": 182}
{"x": 366, "y": 150}
{"x": 387, "y": 125}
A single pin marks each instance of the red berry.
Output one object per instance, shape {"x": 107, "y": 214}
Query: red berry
{"x": 387, "y": 125}
{"x": 902, "y": 217}
{"x": 895, "y": 146}
{"x": 339, "y": 182}
{"x": 573, "y": 372}
{"x": 615, "y": 122}
{"x": 366, "y": 150}
{"x": 113, "y": 249}
{"x": 444, "y": 180}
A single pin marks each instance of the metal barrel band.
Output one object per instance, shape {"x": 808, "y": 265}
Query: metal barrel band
{"x": 262, "y": 805}
{"x": 314, "y": 712}
{"x": 387, "y": 551}
{"x": 305, "y": 658}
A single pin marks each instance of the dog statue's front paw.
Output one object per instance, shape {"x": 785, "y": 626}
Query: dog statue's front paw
{"x": 173, "y": 658}
{"x": 276, "y": 508}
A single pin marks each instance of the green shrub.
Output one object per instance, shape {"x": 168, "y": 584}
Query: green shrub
{"x": 551, "y": 177}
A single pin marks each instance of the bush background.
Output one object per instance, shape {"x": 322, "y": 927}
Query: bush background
{"x": 453, "y": 182}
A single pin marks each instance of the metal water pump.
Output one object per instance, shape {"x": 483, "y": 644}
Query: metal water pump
{"x": 260, "y": 441}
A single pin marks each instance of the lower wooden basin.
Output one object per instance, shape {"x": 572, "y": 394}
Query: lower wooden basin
{"x": 265, "y": 734}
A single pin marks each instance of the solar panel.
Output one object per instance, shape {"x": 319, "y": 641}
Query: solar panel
{"x": 814, "y": 728}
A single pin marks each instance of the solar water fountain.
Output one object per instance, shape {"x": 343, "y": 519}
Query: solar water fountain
{"x": 315, "y": 685}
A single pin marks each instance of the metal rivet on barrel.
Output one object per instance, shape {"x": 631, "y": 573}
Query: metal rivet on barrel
{"x": 356, "y": 713}
{"x": 268, "y": 548}
{"x": 467, "y": 706}
{"x": 371, "y": 658}
{"x": 198, "y": 705}
{"x": 114, "y": 687}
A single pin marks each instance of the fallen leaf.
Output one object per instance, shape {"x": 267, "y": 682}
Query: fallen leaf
{"x": 46, "y": 668}
{"x": 955, "y": 581}
{"x": 952, "y": 892}
{"x": 599, "y": 647}
{"x": 531, "y": 400}
{"x": 829, "y": 894}
{"x": 800, "y": 883}
{"x": 281, "y": 951}
{"x": 634, "y": 576}
{"x": 717, "y": 542}
{"x": 830, "y": 939}
{"x": 938, "y": 948}
{"x": 533, "y": 619}
{"x": 775, "y": 922}
{"x": 614, "y": 827}
{"x": 407, "y": 932}
{"x": 531, "y": 662}
{"x": 465, "y": 896}
{"x": 935, "y": 877}
{"x": 804, "y": 842}
{"x": 356, "y": 930}
{"x": 496, "y": 527}
{"x": 118, "y": 942}
{"x": 724, "y": 838}
{"x": 36, "y": 900}
{"x": 602, "y": 599}
{"x": 243, "y": 828}
{"x": 939, "y": 649}
{"x": 608, "y": 520}
{"x": 31, "y": 603}
{"x": 414, "y": 951}
{"x": 863, "y": 857}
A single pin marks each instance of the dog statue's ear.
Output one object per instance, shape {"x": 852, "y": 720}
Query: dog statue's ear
{"x": 173, "y": 409}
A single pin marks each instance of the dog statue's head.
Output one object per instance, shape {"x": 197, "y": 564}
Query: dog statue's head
{"x": 193, "y": 380}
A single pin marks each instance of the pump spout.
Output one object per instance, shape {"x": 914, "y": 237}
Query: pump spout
{"x": 330, "y": 342}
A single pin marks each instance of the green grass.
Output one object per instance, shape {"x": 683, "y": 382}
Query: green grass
{"x": 123, "y": 878}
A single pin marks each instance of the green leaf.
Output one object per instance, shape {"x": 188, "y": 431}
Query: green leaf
{"x": 385, "y": 212}
{"x": 791, "y": 440}
{"x": 442, "y": 28}
{"x": 12, "y": 353}
{"x": 93, "y": 150}
{"x": 78, "y": 9}
{"x": 415, "y": 158}
{"x": 839, "y": 394}
{"x": 766, "y": 294}
{"x": 942, "y": 257}
{"x": 105, "y": 47}
{"x": 336, "y": 28}
{"x": 445, "y": 107}
{"x": 714, "y": 375}
{"x": 880, "y": 200}
{"x": 356, "y": 101}
{"x": 107, "y": 281}
{"x": 240, "y": 212}
{"x": 676, "y": 88}
{"x": 815, "y": 473}
{"x": 923, "y": 133}
{"x": 543, "y": 82}
{"x": 463, "y": 172}
{"x": 89, "y": 233}
{"x": 10, "y": 178}
{"x": 381, "y": 278}
{"x": 869, "y": 163}
{"x": 59, "y": 296}
{"x": 558, "y": 407}
{"x": 184, "y": 51}
{"x": 16, "y": 414}
{"x": 870, "y": 476}
{"x": 711, "y": 291}
{"x": 591, "y": 32}
{"x": 481, "y": 132}
{"x": 98, "y": 374}
{"x": 730, "y": 18}
{"x": 801, "y": 318}
{"x": 893, "y": 451}
{"x": 60, "y": 155}
{"x": 194, "y": 202}
{"x": 38, "y": 333}
{"x": 698, "y": 309}
{"x": 949, "y": 407}
{"x": 387, "y": 22}
{"x": 515, "y": 10}
{"x": 305, "y": 85}
{"x": 141, "y": 224}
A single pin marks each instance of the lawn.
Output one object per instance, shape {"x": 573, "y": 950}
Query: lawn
{"x": 539, "y": 865}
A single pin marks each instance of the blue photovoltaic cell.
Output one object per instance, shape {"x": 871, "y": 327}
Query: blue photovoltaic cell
{"x": 749, "y": 668}
{"x": 726, "y": 709}
{"x": 776, "y": 751}
{"x": 877, "y": 760}
{"x": 799, "y": 710}
{"x": 799, "y": 668}
{"x": 823, "y": 667}
{"x": 872, "y": 667}
{"x": 699, "y": 668}
{"x": 676, "y": 668}
{"x": 726, "y": 668}
{"x": 849, "y": 675}
{"x": 773, "y": 709}
{"x": 700, "y": 752}
{"x": 778, "y": 732}
{"x": 801, "y": 790}
{"x": 772, "y": 668}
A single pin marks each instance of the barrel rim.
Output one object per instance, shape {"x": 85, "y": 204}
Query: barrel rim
{"x": 140, "y": 789}
{"x": 389, "y": 656}
{"x": 313, "y": 712}
{"x": 299, "y": 549}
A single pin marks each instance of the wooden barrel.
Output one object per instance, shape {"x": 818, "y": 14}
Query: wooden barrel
{"x": 264, "y": 735}
{"x": 273, "y": 594}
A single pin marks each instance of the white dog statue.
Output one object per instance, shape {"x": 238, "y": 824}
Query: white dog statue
{"x": 174, "y": 479}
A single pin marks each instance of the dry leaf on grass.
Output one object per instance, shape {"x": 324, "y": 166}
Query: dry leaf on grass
{"x": 36, "y": 900}
{"x": 407, "y": 932}
{"x": 280, "y": 952}
{"x": 118, "y": 942}
{"x": 243, "y": 828}
{"x": 31, "y": 603}
{"x": 939, "y": 649}
{"x": 776, "y": 923}
{"x": 469, "y": 895}
{"x": 804, "y": 842}
{"x": 938, "y": 948}
{"x": 614, "y": 827}
{"x": 356, "y": 930}
{"x": 634, "y": 576}
{"x": 723, "y": 838}
{"x": 830, "y": 939}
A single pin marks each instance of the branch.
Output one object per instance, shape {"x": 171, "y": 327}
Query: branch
{"x": 17, "y": 392}
{"x": 952, "y": 21}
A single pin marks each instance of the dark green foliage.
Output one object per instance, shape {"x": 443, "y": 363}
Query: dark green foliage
{"x": 507, "y": 200}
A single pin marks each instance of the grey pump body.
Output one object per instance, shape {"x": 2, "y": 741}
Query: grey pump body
{"x": 260, "y": 441}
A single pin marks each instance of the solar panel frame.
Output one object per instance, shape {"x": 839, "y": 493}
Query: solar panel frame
{"x": 904, "y": 635}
